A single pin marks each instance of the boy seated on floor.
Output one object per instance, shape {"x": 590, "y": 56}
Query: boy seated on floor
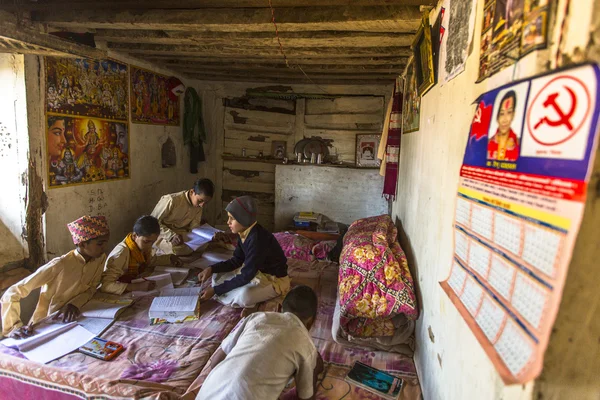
{"x": 179, "y": 213}
{"x": 257, "y": 271}
{"x": 133, "y": 258}
{"x": 67, "y": 282}
{"x": 257, "y": 360}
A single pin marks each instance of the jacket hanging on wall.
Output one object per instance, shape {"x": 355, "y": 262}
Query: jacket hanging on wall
{"x": 392, "y": 148}
{"x": 194, "y": 134}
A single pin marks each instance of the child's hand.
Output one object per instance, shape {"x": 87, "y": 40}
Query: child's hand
{"x": 22, "y": 332}
{"x": 69, "y": 313}
{"x": 176, "y": 261}
{"x": 207, "y": 294}
{"x": 204, "y": 275}
{"x": 177, "y": 240}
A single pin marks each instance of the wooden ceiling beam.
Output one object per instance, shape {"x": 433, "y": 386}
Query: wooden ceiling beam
{"x": 355, "y": 69}
{"x": 288, "y": 39}
{"x": 380, "y": 60}
{"x": 301, "y": 80}
{"x": 351, "y": 18}
{"x": 46, "y": 5}
{"x": 273, "y": 51}
{"x": 294, "y": 72}
{"x": 25, "y": 40}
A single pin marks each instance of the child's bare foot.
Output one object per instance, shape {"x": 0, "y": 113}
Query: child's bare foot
{"x": 248, "y": 311}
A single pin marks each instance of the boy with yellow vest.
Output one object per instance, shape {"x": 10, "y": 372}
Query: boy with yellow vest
{"x": 133, "y": 258}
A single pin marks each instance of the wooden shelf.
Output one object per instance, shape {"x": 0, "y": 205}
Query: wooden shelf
{"x": 265, "y": 160}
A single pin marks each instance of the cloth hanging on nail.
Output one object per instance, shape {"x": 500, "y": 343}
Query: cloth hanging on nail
{"x": 194, "y": 133}
{"x": 392, "y": 149}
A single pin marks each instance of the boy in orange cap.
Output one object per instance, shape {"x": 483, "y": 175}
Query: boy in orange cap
{"x": 67, "y": 282}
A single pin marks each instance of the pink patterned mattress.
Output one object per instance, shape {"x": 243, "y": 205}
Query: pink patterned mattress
{"x": 171, "y": 361}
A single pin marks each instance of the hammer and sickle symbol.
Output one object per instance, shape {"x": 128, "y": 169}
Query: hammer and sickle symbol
{"x": 564, "y": 118}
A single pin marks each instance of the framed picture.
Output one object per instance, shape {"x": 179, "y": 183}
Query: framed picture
{"x": 423, "y": 55}
{"x": 366, "y": 150}
{"x": 411, "y": 108}
{"x": 278, "y": 149}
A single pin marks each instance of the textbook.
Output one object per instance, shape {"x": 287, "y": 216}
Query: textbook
{"x": 175, "y": 306}
{"x": 375, "y": 381}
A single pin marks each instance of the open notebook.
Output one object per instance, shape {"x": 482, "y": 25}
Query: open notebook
{"x": 51, "y": 340}
{"x": 200, "y": 236}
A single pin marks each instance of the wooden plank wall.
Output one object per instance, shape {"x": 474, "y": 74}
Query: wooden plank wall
{"x": 254, "y": 123}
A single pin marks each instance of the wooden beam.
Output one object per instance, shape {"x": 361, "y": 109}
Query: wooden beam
{"x": 288, "y": 39}
{"x": 302, "y": 81}
{"x": 192, "y": 4}
{"x": 351, "y": 18}
{"x": 294, "y": 73}
{"x": 310, "y": 61}
{"x": 25, "y": 40}
{"x": 353, "y": 69}
{"x": 273, "y": 51}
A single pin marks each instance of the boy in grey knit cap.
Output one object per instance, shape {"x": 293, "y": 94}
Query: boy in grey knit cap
{"x": 257, "y": 271}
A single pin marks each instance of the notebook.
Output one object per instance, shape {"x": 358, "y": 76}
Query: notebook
{"x": 200, "y": 236}
{"x": 375, "y": 381}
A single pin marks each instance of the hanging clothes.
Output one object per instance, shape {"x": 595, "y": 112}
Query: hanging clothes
{"x": 194, "y": 133}
{"x": 392, "y": 149}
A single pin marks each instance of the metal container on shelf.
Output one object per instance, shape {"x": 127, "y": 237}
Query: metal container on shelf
{"x": 299, "y": 155}
{"x": 319, "y": 158}
{"x": 313, "y": 158}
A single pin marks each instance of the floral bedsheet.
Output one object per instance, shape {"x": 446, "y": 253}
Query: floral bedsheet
{"x": 171, "y": 361}
{"x": 375, "y": 283}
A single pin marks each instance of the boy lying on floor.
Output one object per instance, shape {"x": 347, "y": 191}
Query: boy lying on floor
{"x": 67, "y": 282}
{"x": 257, "y": 271}
{"x": 131, "y": 258}
{"x": 257, "y": 360}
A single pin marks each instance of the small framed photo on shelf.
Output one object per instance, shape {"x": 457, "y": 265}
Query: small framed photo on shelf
{"x": 366, "y": 150}
{"x": 278, "y": 149}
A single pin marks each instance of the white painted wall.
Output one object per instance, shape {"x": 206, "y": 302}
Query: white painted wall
{"x": 14, "y": 147}
{"x": 451, "y": 363}
{"x": 127, "y": 199}
{"x": 342, "y": 194}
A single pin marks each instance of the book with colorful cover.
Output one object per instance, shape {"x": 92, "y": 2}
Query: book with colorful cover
{"x": 375, "y": 381}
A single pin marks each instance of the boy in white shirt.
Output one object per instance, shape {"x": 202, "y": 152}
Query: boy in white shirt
{"x": 257, "y": 360}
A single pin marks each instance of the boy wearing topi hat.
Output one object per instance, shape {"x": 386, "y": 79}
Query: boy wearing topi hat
{"x": 257, "y": 271}
{"x": 67, "y": 282}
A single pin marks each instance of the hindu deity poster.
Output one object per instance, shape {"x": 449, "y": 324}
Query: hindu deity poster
{"x": 150, "y": 100}
{"x": 511, "y": 29}
{"x": 86, "y": 149}
{"x": 86, "y": 87}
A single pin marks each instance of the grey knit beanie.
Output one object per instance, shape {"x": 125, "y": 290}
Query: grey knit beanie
{"x": 243, "y": 209}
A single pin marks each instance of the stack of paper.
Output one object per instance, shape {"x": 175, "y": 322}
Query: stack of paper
{"x": 51, "y": 341}
{"x": 175, "y": 306}
{"x": 200, "y": 236}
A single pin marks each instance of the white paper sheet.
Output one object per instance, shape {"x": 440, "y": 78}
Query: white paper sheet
{"x": 212, "y": 257}
{"x": 178, "y": 275}
{"x": 163, "y": 281}
{"x": 95, "y": 325}
{"x": 191, "y": 291}
{"x": 60, "y": 345}
{"x": 200, "y": 236}
{"x": 42, "y": 332}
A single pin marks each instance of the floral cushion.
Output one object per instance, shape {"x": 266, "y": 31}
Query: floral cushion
{"x": 375, "y": 283}
{"x": 295, "y": 246}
